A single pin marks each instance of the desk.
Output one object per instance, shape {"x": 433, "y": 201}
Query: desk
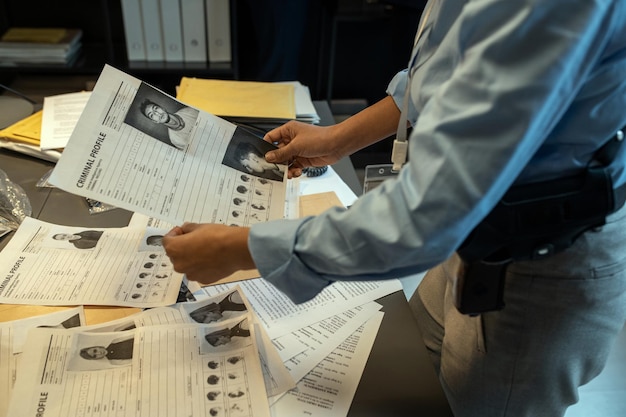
{"x": 398, "y": 379}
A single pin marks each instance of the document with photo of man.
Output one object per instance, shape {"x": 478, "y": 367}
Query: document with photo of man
{"x": 49, "y": 264}
{"x": 163, "y": 370}
{"x": 227, "y": 320}
{"x": 137, "y": 148}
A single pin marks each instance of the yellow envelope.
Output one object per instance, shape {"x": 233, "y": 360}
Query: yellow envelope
{"x": 248, "y": 99}
{"x": 27, "y": 130}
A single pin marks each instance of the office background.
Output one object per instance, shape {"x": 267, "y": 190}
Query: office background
{"x": 346, "y": 51}
{"x": 325, "y": 44}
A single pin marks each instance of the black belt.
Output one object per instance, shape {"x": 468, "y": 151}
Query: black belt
{"x": 533, "y": 222}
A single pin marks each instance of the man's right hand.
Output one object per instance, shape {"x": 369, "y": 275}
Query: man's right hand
{"x": 302, "y": 145}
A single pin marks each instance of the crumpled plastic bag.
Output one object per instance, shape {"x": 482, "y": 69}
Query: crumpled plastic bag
{"x": 14, "y": 205}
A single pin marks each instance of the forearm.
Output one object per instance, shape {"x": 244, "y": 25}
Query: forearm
{"x": 369, "y": 126}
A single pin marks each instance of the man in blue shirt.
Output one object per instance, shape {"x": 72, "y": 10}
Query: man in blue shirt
{"x": 500, "y": 93}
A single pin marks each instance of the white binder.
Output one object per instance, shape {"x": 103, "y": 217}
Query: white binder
{"x": 172, "y": 30}
{"x": 133, "y": 30}
{"x": 194, "y": 30}
{"x": 152, "y": 31}
{"x": 218, "y": 30}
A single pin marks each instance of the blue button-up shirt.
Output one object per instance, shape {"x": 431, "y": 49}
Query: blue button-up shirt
{"x": 501, "y": 92}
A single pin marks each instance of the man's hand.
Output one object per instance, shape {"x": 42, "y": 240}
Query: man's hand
{"x": 302, "y": 145}
{"x": 208, "y": 252}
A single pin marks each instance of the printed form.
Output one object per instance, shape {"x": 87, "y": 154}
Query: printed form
{"x": 13, "y": 338}
{"x": 280, "y": 316}
{"x": 189, "y": 359}
{"x": 329, "y": 388}
{"x": 326, "y": 357}
{"x": 137, "y": 148}
{"x": 60, "y": 114}
{"x": 48, "y": 264}
{"x": 167, "y": 370}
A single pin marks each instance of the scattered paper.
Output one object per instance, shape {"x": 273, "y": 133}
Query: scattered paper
{"x": 328, "y": 390}
{"x": 60, "y": 115}
{"x": 48, "y": 264}
{"x": 13, "y": 338}
{"x": 167, "y": 361}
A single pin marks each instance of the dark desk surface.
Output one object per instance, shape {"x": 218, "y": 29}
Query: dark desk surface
{"x": 398, "y": 379}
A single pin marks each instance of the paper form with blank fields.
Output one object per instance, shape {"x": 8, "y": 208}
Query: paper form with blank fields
{"x": 49, "y": 264}
{"x": 165, "y": 370}
{"x": 137, "y": 148}
{"x": 188, "y": 359}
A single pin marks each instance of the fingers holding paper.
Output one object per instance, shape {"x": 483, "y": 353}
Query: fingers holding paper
{"x": 207, "y": 252}
{"x": 302, "y": 145}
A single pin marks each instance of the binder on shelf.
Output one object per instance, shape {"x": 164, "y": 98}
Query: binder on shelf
{"x": 133, "y": 30}
{"x": 172, "y": 30}
{"x": 218, "y": 30}
{"x": 153, "y": 33}
{"x": 194, "y": 30}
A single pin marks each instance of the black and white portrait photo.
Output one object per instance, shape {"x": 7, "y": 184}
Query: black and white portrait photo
{"x": 216, "y": 309}
{"x": 102, "y": 351}
{"x": 234, "y": 336}
{"x": 161, "y": 117}
{"x": 246, "y": 153}
{"x": 85, "y": 239}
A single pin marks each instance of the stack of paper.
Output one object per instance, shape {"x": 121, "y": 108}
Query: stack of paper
{"x": 270, "y": 358}
{"x": 24, "y": 136}
{"x": 250, "y": 101}
{"x": 233, "y": 345}
{"x": 305, "y": 110}
{"x": 45, "y": 133}
{"x": 39, "y": 46}
{"x": 170, "y": 361}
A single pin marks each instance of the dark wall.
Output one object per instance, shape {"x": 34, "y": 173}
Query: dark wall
{"x": 339, "y": 48}
{"x": 371, "y": 47}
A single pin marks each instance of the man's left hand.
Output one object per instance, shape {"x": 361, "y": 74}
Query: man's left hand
{"x": 208, "y": 252}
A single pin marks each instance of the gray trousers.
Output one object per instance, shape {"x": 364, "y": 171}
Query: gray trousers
{"x": 561, "y": 317}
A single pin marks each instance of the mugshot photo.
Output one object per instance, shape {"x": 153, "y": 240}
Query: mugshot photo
{"x": 102, "y": 351}
{"x": 161, "y": 117}
{"x": 222, "y": 307}
{"x": 246, "y": 153}
{"x": 236, "y": 335}
{"x": 85, "y": 239}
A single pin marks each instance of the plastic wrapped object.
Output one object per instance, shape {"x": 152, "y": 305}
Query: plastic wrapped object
{"x": 14, "y": 205}
{"x": 43, "y": 181}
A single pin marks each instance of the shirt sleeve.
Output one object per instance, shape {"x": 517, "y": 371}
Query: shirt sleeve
{"x": 470, "y": 141}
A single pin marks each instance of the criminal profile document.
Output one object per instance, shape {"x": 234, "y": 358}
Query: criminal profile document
{"x": 175, "y": 370}
{"x": 50, "y": 264}
{"x": 139, "y": 149}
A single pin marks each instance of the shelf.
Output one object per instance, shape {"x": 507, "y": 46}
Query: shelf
{"x": 224, "y": 69}
{"x": 103, "y": 43}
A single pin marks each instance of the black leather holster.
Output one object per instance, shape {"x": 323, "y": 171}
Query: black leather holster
{"x": 531, "y": 222}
